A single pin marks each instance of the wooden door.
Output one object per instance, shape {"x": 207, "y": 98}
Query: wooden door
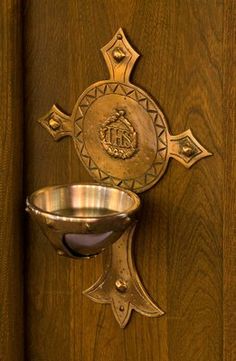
{"x": 185, "y": 243}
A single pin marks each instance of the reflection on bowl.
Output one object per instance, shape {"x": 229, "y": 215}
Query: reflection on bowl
{"x": 83, "y": 219}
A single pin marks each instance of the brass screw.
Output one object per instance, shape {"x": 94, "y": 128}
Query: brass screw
{"x": 118, "y": 54}
{"x": 121, "y": 286}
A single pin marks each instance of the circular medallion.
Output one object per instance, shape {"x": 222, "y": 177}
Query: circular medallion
{"x": 120, "y": 135}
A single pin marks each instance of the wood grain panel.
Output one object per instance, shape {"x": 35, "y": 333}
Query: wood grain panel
{"x": 179, "y": 240}
{"x": 49, "y": 290}
{"x": 229, "y": 86}
{"x": 11, "y": 206}
{"x": 195, "y": 197}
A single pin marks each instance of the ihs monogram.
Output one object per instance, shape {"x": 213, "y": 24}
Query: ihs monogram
{"x": 118, "y": 136}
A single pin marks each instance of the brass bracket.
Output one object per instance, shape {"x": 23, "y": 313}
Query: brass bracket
{"x": 122, "y": 138}
{"x": 120, "y": 284}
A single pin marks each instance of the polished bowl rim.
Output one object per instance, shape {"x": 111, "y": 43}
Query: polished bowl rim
{"x": 133, "y": 209}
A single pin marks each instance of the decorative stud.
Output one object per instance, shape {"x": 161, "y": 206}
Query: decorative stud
{"x": 121, "y": 285}
{"x": 118, "y": 54}
{"x": 60, "y": 253}
{"x": 54, "y": 125}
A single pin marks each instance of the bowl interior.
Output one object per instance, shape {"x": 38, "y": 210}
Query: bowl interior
{"x": 84, "y": 200}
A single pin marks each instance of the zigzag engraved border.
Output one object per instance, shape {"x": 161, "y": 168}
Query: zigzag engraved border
{"x": 156, "y": 170}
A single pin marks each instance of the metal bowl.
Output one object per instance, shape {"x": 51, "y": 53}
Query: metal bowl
{"x": 81, "y": 220}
